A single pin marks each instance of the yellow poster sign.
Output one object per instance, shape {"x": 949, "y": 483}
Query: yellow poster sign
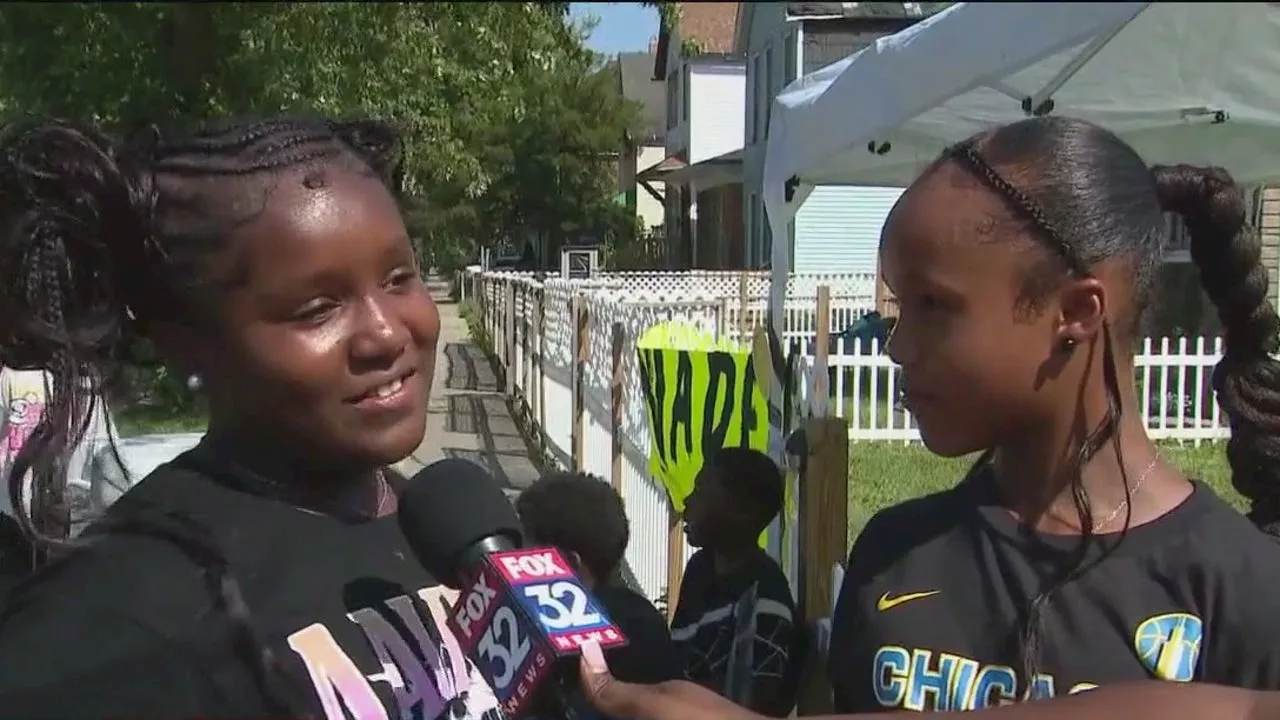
{"x": 701, "y": 395}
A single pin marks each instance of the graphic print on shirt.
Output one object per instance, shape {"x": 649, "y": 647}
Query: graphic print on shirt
{"x": 1169, "y": 646}
{"x": 22, "y": 413}
{"x": 734, "y": 643}
{"x": 420, "y": 663}
{"x": 924, "y": 680}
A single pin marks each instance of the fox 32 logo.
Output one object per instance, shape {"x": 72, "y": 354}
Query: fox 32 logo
{"x": 1168, "y": 645}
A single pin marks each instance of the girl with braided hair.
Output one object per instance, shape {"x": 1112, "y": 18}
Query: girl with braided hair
{"x": 680, "y": 700}
{"x": 1072, "y": 554}
{"x": 262, "y": 574}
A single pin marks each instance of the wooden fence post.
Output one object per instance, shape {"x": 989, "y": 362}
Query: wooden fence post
{"x": 821, "y": 343}
{"x": 617, "y": 385}
{"x": 745, "y": 326}
{"x": 824, "y": 539}
{"x": 526, "y": 347}
{"x": 491, "y": 298}
{"x": 509, "y": 338}
{"x": 675, "y": 559}
{"x": 581, "y": 353}
{"x": 540, "y": 329}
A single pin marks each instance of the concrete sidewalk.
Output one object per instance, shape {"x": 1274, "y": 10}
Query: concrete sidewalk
{"x": 468, "y": 416}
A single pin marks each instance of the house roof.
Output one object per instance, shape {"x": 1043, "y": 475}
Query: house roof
{"x": 636, "y": 83}
{"x": 865, "y": 10}
{"x": 710, "y": 24}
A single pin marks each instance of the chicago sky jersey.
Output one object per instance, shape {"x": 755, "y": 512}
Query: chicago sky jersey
{"x": 932, "y": 608}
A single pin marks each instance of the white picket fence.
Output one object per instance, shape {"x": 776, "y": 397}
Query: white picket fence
{"x": 567, "y": 350}
{"x": 1172, "y": 375}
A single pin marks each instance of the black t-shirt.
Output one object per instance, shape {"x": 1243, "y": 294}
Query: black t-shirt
{"x": 649, "y": 656}
{"x": 936, "y": 590}
{"x": 128, "y": 628}
{"x": 736, "y": 633}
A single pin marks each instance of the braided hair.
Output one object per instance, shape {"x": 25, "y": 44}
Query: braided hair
{"x": 1086, "y": 196}
{"x": 102, "y": 238}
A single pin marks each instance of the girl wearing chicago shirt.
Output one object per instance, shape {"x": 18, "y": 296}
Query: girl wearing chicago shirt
{"x": 1072, "y": 555}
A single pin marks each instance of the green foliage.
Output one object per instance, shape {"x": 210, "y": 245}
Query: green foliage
{"x": 475, "y": 87}
{"x": 668, "y": 13}
{"x": 511, "y": 124}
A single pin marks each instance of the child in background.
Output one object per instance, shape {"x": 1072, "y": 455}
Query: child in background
{"x": 23, "y": 394}
{"x": 583, "y": 517}
{"x": 735, "y": 624}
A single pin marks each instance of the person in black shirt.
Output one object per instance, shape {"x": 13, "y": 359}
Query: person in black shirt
{"x": 583, "y": 517}
{"x": 1169, "y": 701}
{"x": 735, "y": 620}
{"x": 262, "y": 574}
{"x": 1072, "y": 555}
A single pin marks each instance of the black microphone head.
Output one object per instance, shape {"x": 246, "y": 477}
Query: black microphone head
{"x": 449, "y": 507}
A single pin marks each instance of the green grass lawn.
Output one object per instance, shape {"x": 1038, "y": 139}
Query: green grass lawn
{"x": 882, "y": 474}
{"x": 134, "y": 420}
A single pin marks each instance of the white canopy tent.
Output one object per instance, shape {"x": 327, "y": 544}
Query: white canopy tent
{"x": 1181, "y": 82}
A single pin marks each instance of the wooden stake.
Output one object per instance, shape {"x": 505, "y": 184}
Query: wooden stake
{"x": 618, "y": 382}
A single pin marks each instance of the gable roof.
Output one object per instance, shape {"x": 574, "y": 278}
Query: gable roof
{"x": 711, "y": 24}
{"x": 636, "y": 83}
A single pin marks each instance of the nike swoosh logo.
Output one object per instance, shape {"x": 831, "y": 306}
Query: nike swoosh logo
{"x": 888, "y": 603}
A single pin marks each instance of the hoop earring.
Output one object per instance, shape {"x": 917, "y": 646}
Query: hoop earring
{"x": 194, "y": 382}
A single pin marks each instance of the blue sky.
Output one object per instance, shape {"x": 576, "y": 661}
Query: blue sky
{"x": 622, "y": 27}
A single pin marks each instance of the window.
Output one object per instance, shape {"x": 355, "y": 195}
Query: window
{"x": 684, "y": 97}
{"x": 1178, "y": 250}
{"x": 673, "y": 98}
{"x": 762, "y": 97}
{"x": 750, "y": 127}
{"x": 789, "y": 58}
{"x": 771, "y": 87}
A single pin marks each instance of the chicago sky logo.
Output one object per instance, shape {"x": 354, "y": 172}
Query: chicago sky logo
{"x": 1168, "y": 645}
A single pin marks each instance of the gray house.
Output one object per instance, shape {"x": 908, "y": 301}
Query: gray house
{"x": 838, "y": 227}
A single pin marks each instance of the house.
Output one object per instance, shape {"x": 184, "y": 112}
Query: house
{"x": 644, "y": 145}
{"x": 705, "y": 85}
{"x": 1181, "y": 306}
{"x": 838, "y": 227}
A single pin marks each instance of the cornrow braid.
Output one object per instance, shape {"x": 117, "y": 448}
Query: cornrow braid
{"x": 965, "y": 154}
{"x": 98, "y": 239}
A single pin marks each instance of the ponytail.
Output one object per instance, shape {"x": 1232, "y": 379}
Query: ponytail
{"x": 73, "y": 222}
{"x": 1228, "y": 254}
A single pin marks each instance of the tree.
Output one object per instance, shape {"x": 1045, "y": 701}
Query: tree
{"x": 507, "y": 123}
{"x": 481, "y": 91}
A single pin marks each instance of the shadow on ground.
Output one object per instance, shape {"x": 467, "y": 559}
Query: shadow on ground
{"x": 468, "y": 369}
{"x": 477, "y": 421}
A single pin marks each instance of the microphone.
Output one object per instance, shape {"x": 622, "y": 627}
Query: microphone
{"x": 521, "y": 609}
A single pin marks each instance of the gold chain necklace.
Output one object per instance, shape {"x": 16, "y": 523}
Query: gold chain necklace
{"x": 1132, "y": 493}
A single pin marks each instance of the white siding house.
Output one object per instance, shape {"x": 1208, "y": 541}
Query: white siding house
{"x": 704, "y": 134}
{"x": 838, "y": 227}
{"x": 644, "y": 145}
